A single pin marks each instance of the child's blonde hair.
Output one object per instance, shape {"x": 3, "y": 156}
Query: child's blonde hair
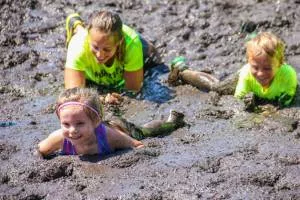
{"x": 85, "y": 96}
{"x": 266, "y": 44}
{"x": 111, "y": 24}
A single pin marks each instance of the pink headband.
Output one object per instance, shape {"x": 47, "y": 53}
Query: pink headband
{"x": 79, "y": 104}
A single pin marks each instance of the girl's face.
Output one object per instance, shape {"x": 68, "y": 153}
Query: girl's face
{"x": 263, "y": 69}
{"x": 76, "y": 125}
{"x": 102, "y": 45}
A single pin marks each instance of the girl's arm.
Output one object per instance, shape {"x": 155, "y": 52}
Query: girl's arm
{"x": 119, "y": 140}
{"x": 134, "y": 80}
{"x": 74, "y": 78}
{"x": 51, "y": 144}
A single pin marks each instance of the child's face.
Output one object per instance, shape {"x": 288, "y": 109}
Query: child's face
{"x": 263, "y": 69}
{"x": 102, "y": 45}
{"x": 76, "y": 125}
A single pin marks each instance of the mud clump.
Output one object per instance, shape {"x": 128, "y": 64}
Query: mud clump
{"x": 209, "y": 165}
{"x": 133, "y": 159}
{"x": 50, "y": 171}
{"x": 263, "y": 179}
{"x": 6, "y": 150}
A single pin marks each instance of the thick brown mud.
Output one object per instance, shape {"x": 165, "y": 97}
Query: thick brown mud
{"x": 223, "y": 153}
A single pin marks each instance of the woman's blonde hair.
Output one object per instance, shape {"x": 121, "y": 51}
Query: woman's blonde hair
{"x": 85, "y": 96}
{"x": 266, "y": 44}
{"x": 111, "y": 24}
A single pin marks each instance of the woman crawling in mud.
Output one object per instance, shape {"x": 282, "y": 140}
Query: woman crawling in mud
{"x": 107, "y": 53}
{"x": 83, "y": 132}
{"x": 266, "y": 76}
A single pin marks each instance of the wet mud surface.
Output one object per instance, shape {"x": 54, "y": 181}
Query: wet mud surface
{"x": 223, "y": 153}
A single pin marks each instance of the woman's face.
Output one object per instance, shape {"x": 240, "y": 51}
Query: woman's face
{"x": 263, "y": 69}
{"x": 102, "y": 45}
{"x": 76, "y": 124}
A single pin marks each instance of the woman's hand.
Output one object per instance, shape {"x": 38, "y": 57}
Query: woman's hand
{"x": 113, "y": 98}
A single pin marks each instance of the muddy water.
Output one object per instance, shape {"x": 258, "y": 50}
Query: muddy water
{"x": 223, "y": 152}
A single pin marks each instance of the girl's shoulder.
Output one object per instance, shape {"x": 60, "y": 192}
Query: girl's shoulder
{"x": 57, "y": 135}
{"x": 52, "y": 143}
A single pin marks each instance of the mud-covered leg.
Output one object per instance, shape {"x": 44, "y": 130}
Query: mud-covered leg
{"x": 150, "y": 129}
{"x": 127, "y": 127}
{"x": 227, "y": 86}
{"x": 163, "y": 127}
{"x": 201, "y": 80}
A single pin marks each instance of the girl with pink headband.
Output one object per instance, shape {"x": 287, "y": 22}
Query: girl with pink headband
{"x": 83, "y": 131}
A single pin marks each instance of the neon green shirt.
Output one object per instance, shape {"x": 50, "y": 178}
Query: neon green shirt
{"x": 282, "y": 88}
{"x": 81, "y": 58}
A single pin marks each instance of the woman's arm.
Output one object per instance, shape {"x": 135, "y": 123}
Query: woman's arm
{"x": 51, "y": 144}
{"x": 134, "y": 80}
{"x": 74, "y": 78}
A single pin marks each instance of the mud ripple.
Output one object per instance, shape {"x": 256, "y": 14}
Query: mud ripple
{"x": 209, "y": 165}
{"x": 50, "y": 171}
{"x": 215, "y": 113}
{"x": 132, "y": 159}
{"x": 6, "y": 150}
{"x": 262, "y": 179}
{"x": 289, "y": 160}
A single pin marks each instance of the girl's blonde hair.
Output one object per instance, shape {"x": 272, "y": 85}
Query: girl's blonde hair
{"x": 111, "y": 24}
{"x": 266, "y": 44}
{"x": 85, "y": 96}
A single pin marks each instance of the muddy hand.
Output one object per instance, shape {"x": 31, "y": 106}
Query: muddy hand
{"x": 113, "y": 98}
{"x": 249, "y": 101}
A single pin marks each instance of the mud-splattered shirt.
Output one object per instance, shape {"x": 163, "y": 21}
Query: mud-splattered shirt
{"x": 81, "y": 58}
{"x": 282, "y": 88}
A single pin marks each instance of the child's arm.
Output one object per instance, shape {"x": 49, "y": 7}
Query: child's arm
{"x": 242, "y": 87}
{"x": 240, "y": 90}
{"x": 119, "y": 140}
{"x": 51, "y": 144}
{"x": 290, "y": 84}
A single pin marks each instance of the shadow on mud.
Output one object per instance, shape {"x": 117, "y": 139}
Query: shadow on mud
{"x": 97, "y": 158}
{"x": 90, "y": 158}
{"x": 153, "y": 90}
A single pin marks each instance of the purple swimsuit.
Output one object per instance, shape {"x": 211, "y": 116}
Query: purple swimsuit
{"x": 103, "y": 147}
